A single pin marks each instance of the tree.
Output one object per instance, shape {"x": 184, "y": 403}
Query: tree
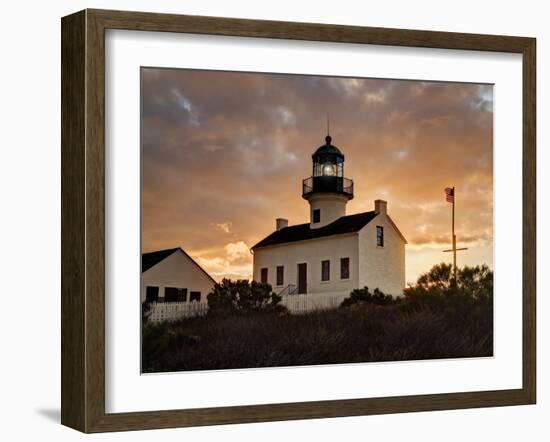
{"x": 439, "y": 278}
{"x": 476, "y": 282}
{"x": 242, "y": 296}
{"x": 436, "y": 290}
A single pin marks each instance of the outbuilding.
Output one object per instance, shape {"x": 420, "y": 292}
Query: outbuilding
{"x": 171, "y": 275}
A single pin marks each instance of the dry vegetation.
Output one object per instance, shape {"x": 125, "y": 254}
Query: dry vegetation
{"x": 437, "y": 318}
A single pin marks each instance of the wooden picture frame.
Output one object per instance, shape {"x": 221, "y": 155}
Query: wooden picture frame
{"x": 83, "y": 220}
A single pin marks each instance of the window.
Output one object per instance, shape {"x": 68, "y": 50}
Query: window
{"x": 151, "y": 294}
{"x": 170, "y": 294}
{"x": 325, "y": 270}
{"x": 316, "y": 216}
{"x": 263, "y": 275}
{"x": 344, "y": 268}
{"x": 174, "y": 294}
{"x": 195, "y": 296}
{"x": 280, "y": 275}
{"x": 380, "y": 236}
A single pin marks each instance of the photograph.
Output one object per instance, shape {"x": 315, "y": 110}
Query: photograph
{"x": 304, "y": 220}
{"x": 241, "y": 221}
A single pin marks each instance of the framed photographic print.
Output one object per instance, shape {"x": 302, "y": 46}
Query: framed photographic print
{"x": 267, "y": 220}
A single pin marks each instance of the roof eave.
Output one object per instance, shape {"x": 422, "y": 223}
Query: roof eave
{"x": 188, "y": 256}
{"x": 319, "y": 238}
{"x": 396, "y": 229}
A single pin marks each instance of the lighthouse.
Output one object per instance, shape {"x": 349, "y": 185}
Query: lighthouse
{"x": 327, "y": 189}
{"x": 334, "y": 253}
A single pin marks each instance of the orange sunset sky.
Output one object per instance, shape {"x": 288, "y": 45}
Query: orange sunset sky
{"x": 224, "y": 154}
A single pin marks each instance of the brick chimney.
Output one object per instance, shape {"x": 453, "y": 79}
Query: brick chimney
{"x": 281, "y": 223}
{"x": 381, "y": 206}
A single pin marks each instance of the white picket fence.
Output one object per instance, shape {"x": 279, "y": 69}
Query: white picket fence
{"x": 306, "y": 303}
{"x": 172, "y": 311}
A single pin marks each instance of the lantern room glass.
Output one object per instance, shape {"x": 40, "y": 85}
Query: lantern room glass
{"x": 329, "y": 165}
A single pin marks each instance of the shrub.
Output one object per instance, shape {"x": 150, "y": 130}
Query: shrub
{"x": 145, "y": 311}
{"x": 242, "y": 296}
{"x": 364, "y": 296}
{"x": 471, "y": 295}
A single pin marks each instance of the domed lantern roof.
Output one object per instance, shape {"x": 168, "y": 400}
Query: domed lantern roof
{"x": 327, "y": 149}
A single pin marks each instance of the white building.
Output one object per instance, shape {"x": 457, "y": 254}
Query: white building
{"x": 172, "y": 276}
{"x": 334, "y": 253}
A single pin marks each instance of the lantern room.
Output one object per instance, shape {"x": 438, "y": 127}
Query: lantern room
{"x": 328, "y": 160}
{"x": 328, "y": 172}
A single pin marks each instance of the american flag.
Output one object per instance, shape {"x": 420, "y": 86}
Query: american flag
{"x": 450, "y": 194}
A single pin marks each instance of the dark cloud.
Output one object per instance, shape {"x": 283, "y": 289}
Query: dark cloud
{"x": 226, "y": 148}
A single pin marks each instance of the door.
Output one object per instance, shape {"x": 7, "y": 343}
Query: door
{"x": 302, "y": 278}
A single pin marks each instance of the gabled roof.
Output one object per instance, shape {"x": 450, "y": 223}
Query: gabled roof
{"x": 151, "y": 259}
{"x": 300, "y": 232}
{"x": 397, "y": 230}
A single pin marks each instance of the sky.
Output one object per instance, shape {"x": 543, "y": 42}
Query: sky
{"x": 224, "y": 155}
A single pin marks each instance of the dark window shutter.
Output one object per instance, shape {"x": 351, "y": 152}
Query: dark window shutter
{"x": 344, "y": 268}
{"x": 280, "y": 275}
{"x": 325, "y": 270}
{"x": 380, "y": 236}
{"x": 263, "y": 275}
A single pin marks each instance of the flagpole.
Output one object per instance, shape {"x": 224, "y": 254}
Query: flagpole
{"x": 454, "y": 237}
{"x": 450, "y": 193}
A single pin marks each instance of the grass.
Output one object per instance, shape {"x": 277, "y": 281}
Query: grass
{"x": 359, "y": 333}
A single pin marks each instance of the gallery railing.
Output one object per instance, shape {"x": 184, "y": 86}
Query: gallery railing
{"x": 334, "y": 184}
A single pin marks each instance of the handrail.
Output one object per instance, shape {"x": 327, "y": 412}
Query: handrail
{"x": 327, "y": 184}
{"x": 290, "y": 289}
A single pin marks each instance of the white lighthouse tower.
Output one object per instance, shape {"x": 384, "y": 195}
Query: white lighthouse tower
{"x": 327, "y": 190}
